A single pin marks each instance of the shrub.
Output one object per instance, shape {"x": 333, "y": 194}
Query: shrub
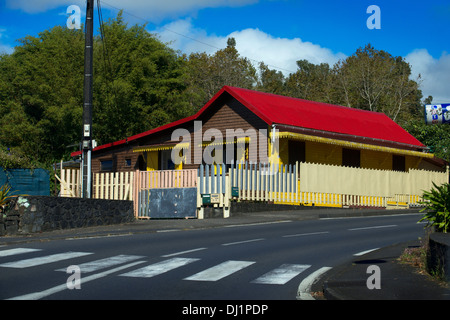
{"x": 437, "y": 207}
{"x": 5, "y": 196}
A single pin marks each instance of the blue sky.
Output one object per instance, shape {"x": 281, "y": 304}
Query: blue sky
{"x": 278, "y": 32}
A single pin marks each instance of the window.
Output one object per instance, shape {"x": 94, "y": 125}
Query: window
{"x": 127, "y": 162}
{"x": 106, "y": 165}
{"x": 351, "y": 158}
{"x": 296, "y": 151}
{"x": 398, "y": 163}
{"x": 166, "y": 160}
{"x": 236, "y": 153}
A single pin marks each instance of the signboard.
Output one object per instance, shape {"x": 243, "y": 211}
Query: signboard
{"x": 437, "y": 113}
{"x": 215, "y": 198}
{"x": 210, "y": 198}
{"x": 206, "y": 198}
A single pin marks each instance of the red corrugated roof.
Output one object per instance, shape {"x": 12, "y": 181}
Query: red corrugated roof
{"x": 276, "y": 109}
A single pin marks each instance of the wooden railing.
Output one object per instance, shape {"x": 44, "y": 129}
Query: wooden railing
{"x": 113, "y": 186}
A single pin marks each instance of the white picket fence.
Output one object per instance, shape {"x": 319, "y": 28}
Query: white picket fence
{"x": 298, "y": 184}
{"x": 113, "y": 185}
{"x": 214, "y": 181}
{"x": 70, "y": 183}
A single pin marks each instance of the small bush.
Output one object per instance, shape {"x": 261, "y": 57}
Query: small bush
{"x": 5, "y": 197}
{"x": 437, "y": 207}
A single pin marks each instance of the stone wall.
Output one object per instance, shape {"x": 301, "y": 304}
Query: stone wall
{"x": 438, "y": 257}
{"x": 32, "y": 214}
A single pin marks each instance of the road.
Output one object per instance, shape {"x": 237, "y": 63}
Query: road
{"x": 272, "y": 260}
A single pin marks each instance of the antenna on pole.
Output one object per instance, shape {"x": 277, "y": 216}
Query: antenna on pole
{"x": 86, "y": 144}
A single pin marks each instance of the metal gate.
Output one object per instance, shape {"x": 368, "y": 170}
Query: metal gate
{"x": 166, "y": 194}
{"x": 169, "y": 203}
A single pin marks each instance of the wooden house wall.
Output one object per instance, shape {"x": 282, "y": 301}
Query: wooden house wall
{"x": 227, "y": 113}
{"x": 119, "y": 157}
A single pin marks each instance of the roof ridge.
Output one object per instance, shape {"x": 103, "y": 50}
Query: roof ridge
{"x": 317, "y": 119}
{"x": 305, "y": 100}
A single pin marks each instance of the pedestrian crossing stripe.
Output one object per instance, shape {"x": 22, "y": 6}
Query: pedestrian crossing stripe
{"x": 105, "y": 263}
{"x": 11, "y": 252}
{"x": 277, "y": 276}
{"x": 159, "y": 268}
{"x": 220, "y": 271}
{"x": 282, "y": 274}
{"x": 32, "y": 262}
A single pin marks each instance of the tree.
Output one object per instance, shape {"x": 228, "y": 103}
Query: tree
{"x": 311, "y": 82}
{"x": 436, "y": 137}
{"x": 207, "y": 74}
{"x": 375, "y": 80}
{"x": 41, "y": 94}
{"x": 139, "y": 84}
{"x": 271, "y": 81}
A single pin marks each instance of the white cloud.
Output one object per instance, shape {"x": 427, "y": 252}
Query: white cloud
{"x": 435, "y": 74}
{"x": 33, "y": 6}
{"x": 151, "y": 10}
{"x": 256, "y": 45}
{"x": 281, "y": 52}
{"x": 6, "y": 49}
{"x": 3, "y": 47}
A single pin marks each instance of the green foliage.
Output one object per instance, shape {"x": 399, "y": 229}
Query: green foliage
{"x": 437, "y": 207}
{"x": 43, "y": 94}
{"x": 436, "y": 137}
{"x": 140, "y": 83}
{"x": 5, "y": 196}
{"x": 207, "y": 74}
{"x": 13, "y": 160}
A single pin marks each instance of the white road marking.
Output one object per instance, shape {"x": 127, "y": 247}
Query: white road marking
{"x": 305, "y": 234}
{"x": 105, "y": 263}
{"x": 374, "y": 217}
{"x": 304, "y": 289}
{"x": 240, "y": 242}
{"x": 374, "y": 227}
{"x": 159, "y": 268}
{"x": 11, "y": 252}
{"x": 255, "y": 224}
{"x": 364, "y": 252}
{"x": 26, "y": 263}
{"x": 182, "y": 252}
{"x": 220, "y": 271}
{"x": 62, "y": 287}
{"x": 282, "y": 274}
{"x": 99, "y": 237}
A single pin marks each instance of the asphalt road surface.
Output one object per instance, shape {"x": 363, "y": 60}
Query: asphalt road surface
{"x": 263, "y": 261}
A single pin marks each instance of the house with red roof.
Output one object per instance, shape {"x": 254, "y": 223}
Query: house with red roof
{"x": 245, "y": 125}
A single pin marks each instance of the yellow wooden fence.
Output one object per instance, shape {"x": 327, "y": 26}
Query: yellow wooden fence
{"x": 332, "y": 186}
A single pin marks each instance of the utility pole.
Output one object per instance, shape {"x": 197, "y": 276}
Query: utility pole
{"x": 87, "y": 107}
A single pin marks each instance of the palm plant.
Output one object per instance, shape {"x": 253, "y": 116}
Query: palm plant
{"x": 437, "y": 207}
{"x": 5, "y": 196}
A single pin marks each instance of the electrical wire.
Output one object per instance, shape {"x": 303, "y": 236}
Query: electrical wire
{"x": 186, "y": 36}
{"x": 106, "y": 60}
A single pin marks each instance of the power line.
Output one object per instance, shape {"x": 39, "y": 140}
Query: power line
{"x": 106, "y": 57}
{"x": 188, "y": 37}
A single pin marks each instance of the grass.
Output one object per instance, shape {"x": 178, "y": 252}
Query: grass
{"x": 417, "y": 258}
